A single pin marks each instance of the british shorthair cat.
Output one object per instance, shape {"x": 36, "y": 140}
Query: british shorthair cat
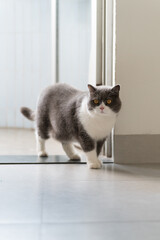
{"x": 70, "y": 115}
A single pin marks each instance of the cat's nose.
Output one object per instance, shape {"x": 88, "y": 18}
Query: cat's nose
{"x": 102, "y": 108}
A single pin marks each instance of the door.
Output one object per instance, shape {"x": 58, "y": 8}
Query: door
{"x": 83, "y": 45}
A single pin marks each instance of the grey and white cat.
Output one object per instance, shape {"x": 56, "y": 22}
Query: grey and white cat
{"x": 70, "y": 115}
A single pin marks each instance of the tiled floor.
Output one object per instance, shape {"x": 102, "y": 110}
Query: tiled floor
{"x": 71, "y": 202}
{"x": 22, "y": 142}
{"x": 65, "y": 202}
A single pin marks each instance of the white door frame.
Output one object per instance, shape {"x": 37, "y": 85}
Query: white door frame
{"x": 102, "y": 60}
{"x": 110, "y": 60}
{"x": 54, "y": 42}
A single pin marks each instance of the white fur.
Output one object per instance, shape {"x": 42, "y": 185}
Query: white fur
{"x": 92, "y": 160}
{"x": 97, "y": 124}
{"x": 70, "y": 151}
{"x": 40, "y": 146}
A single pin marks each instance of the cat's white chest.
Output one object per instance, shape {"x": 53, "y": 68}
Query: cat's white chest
{"x": 98, "y": 126}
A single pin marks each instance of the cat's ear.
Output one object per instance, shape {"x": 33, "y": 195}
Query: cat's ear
{"x": 91, "y": 88}
{"x": 116, "y": 89}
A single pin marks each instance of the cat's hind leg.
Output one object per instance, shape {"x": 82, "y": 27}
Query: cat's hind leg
{"x": 42, "y": 132}
{"x": 40, "y": 146}
{"x": 70, "y": 151}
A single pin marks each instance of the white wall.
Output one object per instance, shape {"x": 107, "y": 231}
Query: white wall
{"x": 25, "y": 50}
{"x": 138, "y": 66}
{"x": 74, "y": 42}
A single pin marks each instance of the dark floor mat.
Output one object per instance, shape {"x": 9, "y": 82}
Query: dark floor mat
{"x": 57, "y": 159}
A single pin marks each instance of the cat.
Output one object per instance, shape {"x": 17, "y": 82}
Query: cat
{"x": 70, "y": 115}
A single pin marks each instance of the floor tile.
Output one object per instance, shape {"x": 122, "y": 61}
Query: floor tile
{"x": 64, "y": 193}
{"x": 23, "y": 142}
{"x": 101, "y": 201}
{"x": 65, "y": 202}
{"x": 20, "y": 232}
{"x": 72, "y": 231}
{"x": 102, "y": 231}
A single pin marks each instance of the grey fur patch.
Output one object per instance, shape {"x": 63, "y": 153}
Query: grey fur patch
{"x": 28, "y": 113}
{"x": 99, "y": 146}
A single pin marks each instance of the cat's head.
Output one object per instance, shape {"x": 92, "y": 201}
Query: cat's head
{"x": 104, "y": 100}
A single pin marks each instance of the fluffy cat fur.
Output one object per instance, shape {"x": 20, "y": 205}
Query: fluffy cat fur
{"x": 70, "y": 115}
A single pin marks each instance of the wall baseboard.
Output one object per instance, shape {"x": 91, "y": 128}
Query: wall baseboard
{"x": 136, "y": 149}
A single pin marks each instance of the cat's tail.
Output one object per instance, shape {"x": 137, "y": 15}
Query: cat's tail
{"x": 28, "y": 113}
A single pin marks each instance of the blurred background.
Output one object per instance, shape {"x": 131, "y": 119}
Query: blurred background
{"x": 28, "y": 30}
{"x": 26, "y": 52}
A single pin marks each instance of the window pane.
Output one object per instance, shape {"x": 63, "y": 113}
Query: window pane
{"x": 74, "y": 37}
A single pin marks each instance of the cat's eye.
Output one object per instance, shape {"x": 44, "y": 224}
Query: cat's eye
{"x": 96, "y": 101}
{"x": 109, "y": 101}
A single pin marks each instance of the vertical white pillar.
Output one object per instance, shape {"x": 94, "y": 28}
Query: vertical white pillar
{"x": 54, "y": 41}
{"x": 95, "y": 68}
{"x": 101, "y": 71}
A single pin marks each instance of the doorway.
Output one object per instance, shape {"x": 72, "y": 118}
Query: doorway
{"x": 50, "y": 41}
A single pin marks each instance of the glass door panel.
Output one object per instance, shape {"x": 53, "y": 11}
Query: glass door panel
{"x": 73, "y": 42}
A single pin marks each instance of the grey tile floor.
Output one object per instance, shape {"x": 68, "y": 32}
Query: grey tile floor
{"x": 71, "y": 202}
{"x": 17, "y": 141}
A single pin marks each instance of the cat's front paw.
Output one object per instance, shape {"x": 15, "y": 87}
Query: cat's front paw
{"x": 94, "y": 165}
{"x": 42, "y": 154}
